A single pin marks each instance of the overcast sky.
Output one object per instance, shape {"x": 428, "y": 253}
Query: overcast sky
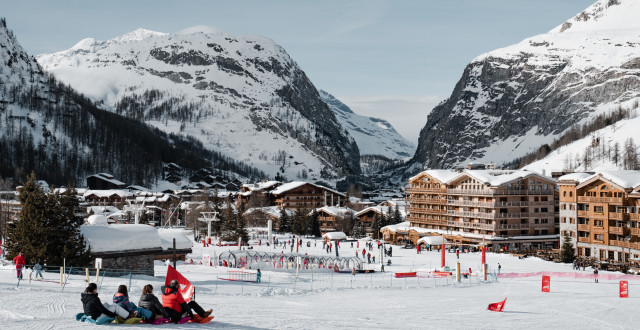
{"x": 385, "y": 58}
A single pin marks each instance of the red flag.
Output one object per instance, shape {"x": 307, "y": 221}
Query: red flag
{"x": 186, "y": 289}
{"x": 624, "y": 289}
{"x": 497, "y": 307}
{"x": 546, "y": 283}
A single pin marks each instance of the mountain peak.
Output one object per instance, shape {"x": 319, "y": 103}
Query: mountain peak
{"x": 138, "y": 34}
{"x": 604, "y": 15}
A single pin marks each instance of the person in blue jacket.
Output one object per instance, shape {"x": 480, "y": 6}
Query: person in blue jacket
{"x": 121, "y": 298}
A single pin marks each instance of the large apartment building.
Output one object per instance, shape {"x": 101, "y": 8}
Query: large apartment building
{"x": 495, "y": 203}
{"x": 601, "y": 212}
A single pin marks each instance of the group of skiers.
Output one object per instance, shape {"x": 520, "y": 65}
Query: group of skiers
{"x": 173, "y": 306}
{"x": 20, "y": 262}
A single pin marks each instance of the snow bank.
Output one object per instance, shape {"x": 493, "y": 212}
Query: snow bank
{"x": 167, "y": 235}
{"x": 335, "y": 236}
{"x": 98, "y": 220}
{"x": 115, "y": 238}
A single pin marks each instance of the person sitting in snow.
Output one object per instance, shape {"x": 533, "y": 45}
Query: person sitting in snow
{"x": 149, "y": 301}
{"x": 121, "y": 298}
{"x": 95, "y": 309}
{"x": 175, "y": 305}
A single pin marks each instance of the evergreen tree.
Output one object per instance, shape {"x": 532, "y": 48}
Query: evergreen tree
{"x": 358, "y": 230}
{"x": 567, "y": 252}
{"x": 241, "y": 225}
{"x": 375, "y": 227}
{"x": 397, "y": 217}
{"x": 284, "y": 225}
{"x": 49, "y": 229}
{"x": 315, "y": 224}
{"x": 299, "y": 222}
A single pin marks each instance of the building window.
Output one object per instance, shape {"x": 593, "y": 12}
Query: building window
{"x": 597, "y": 209}
{"x": 598, "y": 223}
{"x": 571, "y": 194}
{"x": 598, "y": 237}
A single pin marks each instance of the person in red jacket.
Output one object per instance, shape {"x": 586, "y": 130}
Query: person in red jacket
{"x": 19, "y": 260}
{"x": 175, "y": 305}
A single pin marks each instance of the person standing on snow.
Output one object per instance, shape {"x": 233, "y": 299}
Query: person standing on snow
{"x": 19, "y": 260}
{"x": 595, "y": 274}
{"x": 258, "y": 276}
{"x": 38, "y": 268}
{"x": 499, "y": 268}
{"x": 458, "y": 253}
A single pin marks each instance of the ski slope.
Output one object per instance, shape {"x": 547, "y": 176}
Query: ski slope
{"x": 365, "y": 301}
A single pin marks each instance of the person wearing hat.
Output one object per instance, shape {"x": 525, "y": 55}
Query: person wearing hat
{"x": 177, "y": 307}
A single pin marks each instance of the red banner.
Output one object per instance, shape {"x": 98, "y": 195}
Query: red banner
{"x": 624, "y": 289}
{"x": 186, "y": 289}
{"x": 497, "y": 307}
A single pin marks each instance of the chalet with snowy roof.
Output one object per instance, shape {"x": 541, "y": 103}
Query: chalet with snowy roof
{"x": 602, "y": 212}
{"x": 130, "y": 247}
{"x": 300, "y": 194}
{"x": 483, "y": 202}
{"x": 259, "y": 216}
{"x": 332, "y": 217}
{"x": 368, "y": 215}
{"x": 106, "y": 197}
{"x": 104, "y": 181}
{"x": 257, "y": 194}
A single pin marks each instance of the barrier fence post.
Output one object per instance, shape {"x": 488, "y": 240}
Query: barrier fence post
{"x": 61, "y": 279}
{"x": 87, "y": 271}
{"x": 97, "y": 274}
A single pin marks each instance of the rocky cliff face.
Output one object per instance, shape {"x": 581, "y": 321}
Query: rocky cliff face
{"x": 242, "y": 96}
{"x": 512, "y": 100}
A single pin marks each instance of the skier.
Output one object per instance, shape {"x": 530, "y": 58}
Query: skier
{"x": 94, "y": 308}
{"x": 499, "y": 268}
{"x": 418, "y": 249}
{"x": 258, "y": 276}
{"x": 364, "y": 251}
{"x": 19, "y": 260}
{"x": 176, "y": 306}
{"x": 121, "y": 298}
{"x": 389, "y": 253}
{"x": 38, "y": 268}
{"x": 595, "y": 274}
{"x": 149, "y": 301}
{"x": 368, "y": 258}
{"x": 458, "y": 253}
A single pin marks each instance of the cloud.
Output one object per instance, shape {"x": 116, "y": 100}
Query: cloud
{"x": 199, "y": 29}
{"x": 407, "y": 113}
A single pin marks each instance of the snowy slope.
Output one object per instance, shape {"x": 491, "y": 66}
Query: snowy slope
{"x": 374, "y": 136}
{"x": 600, "y": 146}
{"x": 512, "y": 100}
{"x": 239, "y": 95}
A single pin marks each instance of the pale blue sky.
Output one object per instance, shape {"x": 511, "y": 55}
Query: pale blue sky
{"x": 384, "y": 58}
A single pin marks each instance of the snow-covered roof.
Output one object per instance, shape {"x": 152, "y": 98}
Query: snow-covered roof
{"x": 107, "y": 177}
{"x": 626, "y": 179}
{"x": 107, "y": 193}
{"x": 105, "y": 210}
{"x": 182, "y": 241}
{"x": 97, "y": 220}
{"x": 443, "y": 176}
{"x": 260, "y": 185}
{"x": 575, "y": 177}
{"x": 388, "y": 210}
{"x": 117, "y": 238}
{"x": 335, "y": 236}
{"x": 433, "y": 240}
{"x": 271, "y": 210}
{"x": 497, "y": 178}
{"x": 335, "y": 211}
{"x": 403, "y": 226}
{"x": 295, "y": 184}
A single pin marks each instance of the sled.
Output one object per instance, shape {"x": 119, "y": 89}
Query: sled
{"x": 101, "y": 320}
{"x": 156, "y": 321}
{"x": 131, "y": 320}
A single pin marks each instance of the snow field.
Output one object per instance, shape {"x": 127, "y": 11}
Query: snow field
{"x": 343, "y": 301}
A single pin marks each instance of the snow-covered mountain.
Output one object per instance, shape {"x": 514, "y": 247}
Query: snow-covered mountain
{"x": 374, "y": 136}
{"x": 511, "y": 101}
{"x": 242, "y": 96}
{"x": 48, "y": 128}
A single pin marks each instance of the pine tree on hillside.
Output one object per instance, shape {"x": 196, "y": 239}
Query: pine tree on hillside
{"x": 284, "y": 225}
{"x": 299, "y": 222}
{"x": 49, "y": 228}
{"x": 567, "y": 252}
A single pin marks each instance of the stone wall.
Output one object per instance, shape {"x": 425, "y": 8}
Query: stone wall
{"x": 121, "y": 265}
